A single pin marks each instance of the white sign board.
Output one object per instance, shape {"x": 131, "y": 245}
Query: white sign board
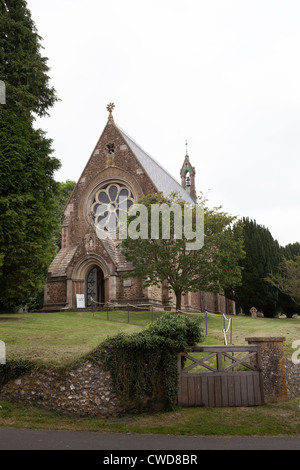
{"x": 80, "y": 301}
{"x": 2, "y": 353}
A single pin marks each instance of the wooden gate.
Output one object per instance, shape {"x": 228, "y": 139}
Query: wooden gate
{"x": 231, "y": 376}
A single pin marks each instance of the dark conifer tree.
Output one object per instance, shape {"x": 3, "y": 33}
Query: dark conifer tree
{"x": 291, "y": 251}
{"x": 28, "y": 216}
{"x": 263, "y": 256}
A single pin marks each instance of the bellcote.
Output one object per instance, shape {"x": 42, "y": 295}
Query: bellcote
{"x": 187, "y": 174}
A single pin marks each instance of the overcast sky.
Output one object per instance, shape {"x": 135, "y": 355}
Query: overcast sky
{"x": 222, "y": 74}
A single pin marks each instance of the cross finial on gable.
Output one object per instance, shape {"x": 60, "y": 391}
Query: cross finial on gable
{"x": 110, "y": 107}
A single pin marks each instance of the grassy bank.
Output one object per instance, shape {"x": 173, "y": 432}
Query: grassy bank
{"x": 65, "y": 336}
{"x": 268, "y": 420}
{"x": 57, "y": 338}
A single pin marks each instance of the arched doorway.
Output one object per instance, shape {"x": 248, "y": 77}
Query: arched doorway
{"x": 94, "y": 287}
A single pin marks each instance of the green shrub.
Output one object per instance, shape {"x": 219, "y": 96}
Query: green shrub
{"x": 144, "y": 365}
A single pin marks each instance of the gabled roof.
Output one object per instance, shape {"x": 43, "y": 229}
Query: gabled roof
{"x": 162, "y": 179}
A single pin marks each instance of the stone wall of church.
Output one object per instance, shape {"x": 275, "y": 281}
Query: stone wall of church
{"x": 155, "y": 294}
{"x": 207, "y": 301}
{"x": 129, "y": 289}
{"x": 55, "y": 293}
{"x": 194, "y": 298}
{"x": 122, "y": 166}
{"x": 222, "y": 303}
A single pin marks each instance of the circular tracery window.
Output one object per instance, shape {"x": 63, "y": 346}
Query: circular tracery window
{"x": 108, "y": 204}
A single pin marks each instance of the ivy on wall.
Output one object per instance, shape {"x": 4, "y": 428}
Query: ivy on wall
{"x": 143, "y": 365}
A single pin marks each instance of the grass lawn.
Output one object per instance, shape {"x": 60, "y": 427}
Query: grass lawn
{"x": 243, "y": 327}
{"x": 60, "y": 338}
{"x": 57, "y": 338}
{"x": 267, "y": 420}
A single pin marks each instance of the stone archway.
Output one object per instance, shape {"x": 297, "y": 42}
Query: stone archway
{"x": 93, "y": 277}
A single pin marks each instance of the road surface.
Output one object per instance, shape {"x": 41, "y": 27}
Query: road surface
{"x": 33, "y": 439}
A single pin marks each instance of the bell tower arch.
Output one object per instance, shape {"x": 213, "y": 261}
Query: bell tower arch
{"x": 187, "y": 174}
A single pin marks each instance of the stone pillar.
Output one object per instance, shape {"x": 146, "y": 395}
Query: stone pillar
{"x": 273, "y": 367}
{"x": 112, "y": 288}
{"x": 74, "y": 287}
{"x": 106, "y": 290}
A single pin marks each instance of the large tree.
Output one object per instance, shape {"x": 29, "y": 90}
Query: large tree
{"x": 170, "y": 260}
{"x": 287, "y": 280}
{"x": 263, "y": 255}
{"x": 27, "y": 186}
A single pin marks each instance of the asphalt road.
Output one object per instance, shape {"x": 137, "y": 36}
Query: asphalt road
{"x": 31, "y": 439}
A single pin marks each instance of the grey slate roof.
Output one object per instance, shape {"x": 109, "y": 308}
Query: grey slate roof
{"x": 61, "y": 261}
{"x": 162, "y": 179}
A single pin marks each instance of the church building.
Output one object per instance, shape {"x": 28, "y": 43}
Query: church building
{"x": 93, "y": 266}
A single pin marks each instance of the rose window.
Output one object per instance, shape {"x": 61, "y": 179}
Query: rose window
{"x": 108, "y": 204}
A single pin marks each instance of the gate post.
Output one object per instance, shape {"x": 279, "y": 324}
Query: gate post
{"x": 272, "y": 367}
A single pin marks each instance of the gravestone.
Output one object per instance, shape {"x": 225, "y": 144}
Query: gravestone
{"x": 253, "y": 312}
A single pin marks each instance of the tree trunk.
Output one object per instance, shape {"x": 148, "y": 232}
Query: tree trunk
{"x": 178, "y": 299}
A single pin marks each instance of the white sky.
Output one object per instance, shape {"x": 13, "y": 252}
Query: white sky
{"x": 222, "y": 74}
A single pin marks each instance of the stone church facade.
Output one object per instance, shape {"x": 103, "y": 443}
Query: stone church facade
{"x": 94, "y": 266}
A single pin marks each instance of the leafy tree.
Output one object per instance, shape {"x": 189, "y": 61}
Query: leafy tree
{"x": 287, "y": 280}
{"x": 214, "y": 267}
{"x": 263, "y": 255}
{"x": 27, "y": 186}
